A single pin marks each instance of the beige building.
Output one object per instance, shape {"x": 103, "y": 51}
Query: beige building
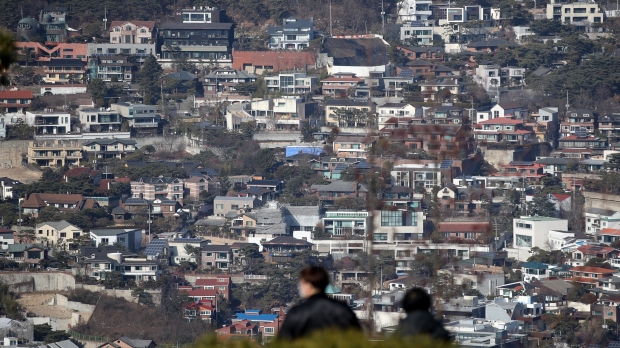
{"x": 53, "y": 233}
{"x": 332, "y": 105}
{"x": 158, "y": 188}
{"x": 194, "y": 185}
{"x": 134, "y": 32}
{"x": 576, "y": 13}
{"x": 223, "y": 204}
{"x": 353, "y": 147}
{"x": 51, "y": 153}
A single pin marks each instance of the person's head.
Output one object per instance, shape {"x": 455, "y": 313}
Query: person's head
{"x": 416, "y": 299}
{"x": 313, "y": 280}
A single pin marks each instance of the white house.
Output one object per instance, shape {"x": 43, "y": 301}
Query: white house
{"x": 510, "y": 110}
{"x": 532, "y": 231}
{"x": 597, "y": 219}
{"x": 127, "y": 237}
{"x": 178, "y": 250}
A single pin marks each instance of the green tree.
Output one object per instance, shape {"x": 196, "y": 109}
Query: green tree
{"x": 98, "y": 91}
{"x": 541, "y": 206}
{"x": 149, "y": 78}
{"x": 7, "y": 55}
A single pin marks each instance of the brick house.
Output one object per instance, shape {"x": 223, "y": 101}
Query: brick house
{"x": 220, "y": 282}
{"x": 15, "y": 101}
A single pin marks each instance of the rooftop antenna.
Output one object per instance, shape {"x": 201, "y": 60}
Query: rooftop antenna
{"x": 105, "y": 18}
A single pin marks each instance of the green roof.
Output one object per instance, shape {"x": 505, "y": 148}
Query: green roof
{"x": 18, "y": 248}
{"x": 539, "y": 218}
{"x": 330, "y": 290}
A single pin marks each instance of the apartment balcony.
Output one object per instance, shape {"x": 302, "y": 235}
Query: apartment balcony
{"x": 146, "y": 124}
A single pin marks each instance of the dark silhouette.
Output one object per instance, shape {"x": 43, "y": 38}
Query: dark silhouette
{"x": 419, "y": 320}
{"x": 318, "y": 311}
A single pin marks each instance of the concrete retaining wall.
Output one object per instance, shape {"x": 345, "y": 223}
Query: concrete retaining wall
{"x": 126, "y": 294}
{"x": 42, "y": 281}
{"x": 601, "y": 200}
{"x": 11, "y": 152}
{"x": 63, "y": 301}
{"x": 55, "y": 323}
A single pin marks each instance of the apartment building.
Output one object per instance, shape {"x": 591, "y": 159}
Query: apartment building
{"x": 398, "y": 226}
{"x": 504, "y": 130}
{"x": 291, "y": 83}
{"x": 49, "y": 123}
{"x": 294, "y": 34}
{"x": 64, "y": 70}
{"x": 53, "y": 153}
{"x": 204, "y": 35}
{"x": 164, "y": 188}
{"x": 139, "y": 50}
{"x": 132, "y": 32}
{"x": 194, "y": 185}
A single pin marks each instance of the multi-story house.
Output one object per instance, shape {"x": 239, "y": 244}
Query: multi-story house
{"x": 574, "y": 144}
{"x": 389, "y": 110}
{"x": 429, "y": 90}
{"x": 609, "y": 126}
{"x": 585, "y": 253}
{"x": 100, "y": 120}
{"x": 465, "y": 230}
{"x": 112, "y": 68}
{"x": 139, "y": 50}
{"x": 142, "y": 118}
{"x": 422, "y": 31}
{"x": 158, "y": 188}
{"x": 508, "y": 110}
{"x": 129, "y": 238}
{"x": 111, "y": 258}
{"x": 599, "y": 219}
{"x": 217, "y": 257}
{"x": 109, "y": 148}
{"x": 64, "y": 70}
{"x": 195, "y": 185}
{"x": 15, "y": 101}
{"x": 339, "y": 189}
{"x": 281, "y": 113}
{"x": 54, "y": 234}
{"x": 504, "y": 130}
{"x": 294, "y": 34}
{"x": 223, "y": 205}
{"x": 224, "y": 80}
{"x": 220, "y": 282}
{"x": 582, "y": 14}
{"x": 9, "y": 188}
{"x": 52, "y": 153}
{"x": 414, "y": 10}
{"x": 282, "y": 249}
{"x": 179, "y": 252}
{"x": 63, "y": 202}
{"x": 445, "y": 114}
{"x": 581, "y": 122}
{"x": 49, "y": 123}
{"x": 589, "y": 276}
{"x": 346, "y": 223}
{"x": 132, "y": 32}
{"x": 532, "y": 231}
{"x": 443, "y": 138}
{"x": 417, "y": 175}
{"x": 291, "y": 83}
{"x": 545, "y": 124}
{"x": 332, "y": 118}
{"x": 203, "y": 35}
{"x": 398, "y": 226}
{"x": 353, "y": 147}
{"x": 426, "y": 53}
{"x": 340, "y": 84}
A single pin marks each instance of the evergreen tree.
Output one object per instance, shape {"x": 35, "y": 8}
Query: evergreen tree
{"x": 149, "y": 78}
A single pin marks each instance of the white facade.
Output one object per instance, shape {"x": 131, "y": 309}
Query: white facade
{"x": 62, "y": 89}
{"x": 359, "y": 71}
{"x": 595, "y": 218}
{"x": 50, "y": 123}
{"x": 420, "y": 31}
{"x": 387, "y": 111}
{"x": 576, "y": 13}
{"x": 291, "y": 83}
{"x": 414, "y": 10}
{"x": 129, "y": 238}
{"x": 179, "y": 254}
{"x": 533, "y": 231}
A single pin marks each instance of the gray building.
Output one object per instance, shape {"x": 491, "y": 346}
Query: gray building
{"x": 223, "y": 205}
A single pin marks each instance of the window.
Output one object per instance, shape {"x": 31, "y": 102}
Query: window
{"x": 523, "y": 241}
{"x": 269, "y": 330}
{"x": 380, "y": 237}
{"x": 391, "y": 218}
{"x": 219, "y": 206}
{"x": 222, "y": 288}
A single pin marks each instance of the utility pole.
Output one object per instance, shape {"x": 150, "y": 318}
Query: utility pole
{"x": 105, "y": 18}
{"x": 383, "y": 18}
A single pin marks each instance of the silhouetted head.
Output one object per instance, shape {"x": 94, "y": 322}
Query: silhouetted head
{"x": 313, "y": 280}
{"x": 416, "y": 299}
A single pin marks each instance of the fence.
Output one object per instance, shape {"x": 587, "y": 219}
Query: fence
{"x": 81, "y": 337}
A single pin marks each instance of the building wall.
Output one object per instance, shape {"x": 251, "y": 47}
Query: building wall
{"x": 253, "y": 61}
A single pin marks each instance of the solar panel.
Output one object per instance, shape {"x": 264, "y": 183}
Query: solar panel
{"x": 363, "y": 165}
{"x": 188, "y": 240}
{"x": 446, "y": 164}
{"x": 521, "y": 163}
{"x": 614, "y": 344}
{"x": 405, "y": 73}
{"x": 155, "y": 247}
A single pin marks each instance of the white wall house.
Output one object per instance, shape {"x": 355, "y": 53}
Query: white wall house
{"x": 533, "y": 231}
{"x": 127, "y": 237}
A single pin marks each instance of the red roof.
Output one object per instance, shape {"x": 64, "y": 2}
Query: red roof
{"x": 589, "y": 269}
{"x": 77, "y": 171}
{"x": 501, "y": 120}
{"x": 560, "y": 197}
{"x": 202, "y": 293}
{"x": 595, "y": 249}
{"x": 574, "y": 137}
{"x": 461, "y": 226}
{"x": 610, "y": 231}
{"x": 122, "y": 180}
{"x": 24, "y": 94}
{"x": 105, "y": 184}
{"x": 213, "y": 281}
{"x": 148, "y": 24}
{"x": 5, "y": 230}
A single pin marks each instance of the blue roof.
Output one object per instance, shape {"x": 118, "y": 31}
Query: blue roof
{"x": 257, "y": 317}
{"x": 257, "y": 311}
{"x": 535, "y": 265}
{"x": 155, "y": 247}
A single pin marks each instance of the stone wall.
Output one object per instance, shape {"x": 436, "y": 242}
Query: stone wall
{"x": 499, "y": 157}
{"x": 601, "y": 201}
{"x": 42, "y": 281}
{"x": 63, "y": 301}
{"x": 11, "y": 152}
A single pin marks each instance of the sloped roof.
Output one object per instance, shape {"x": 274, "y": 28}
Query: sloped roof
{"x": 148, "y": 24}
{"x": 287, "y": 240}
{"x": 59, "y": 225}
{"x": 356, "y": 52}
{"x": 24, "y": 94}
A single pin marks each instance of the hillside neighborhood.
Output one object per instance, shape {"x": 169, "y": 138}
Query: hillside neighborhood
{"x": 166, "y": 174}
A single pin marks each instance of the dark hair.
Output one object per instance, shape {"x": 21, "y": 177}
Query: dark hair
{"x": 416, "y": 299}
{"x": 315, "y": 275}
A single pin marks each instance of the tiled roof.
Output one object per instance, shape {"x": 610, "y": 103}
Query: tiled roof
{"x": 501, "y": 120}
{"x": 461, "y": 226}
{"x": 25, "y": 94}
{"x": 592, "y": 269}
{"x": 149, "y": 24}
